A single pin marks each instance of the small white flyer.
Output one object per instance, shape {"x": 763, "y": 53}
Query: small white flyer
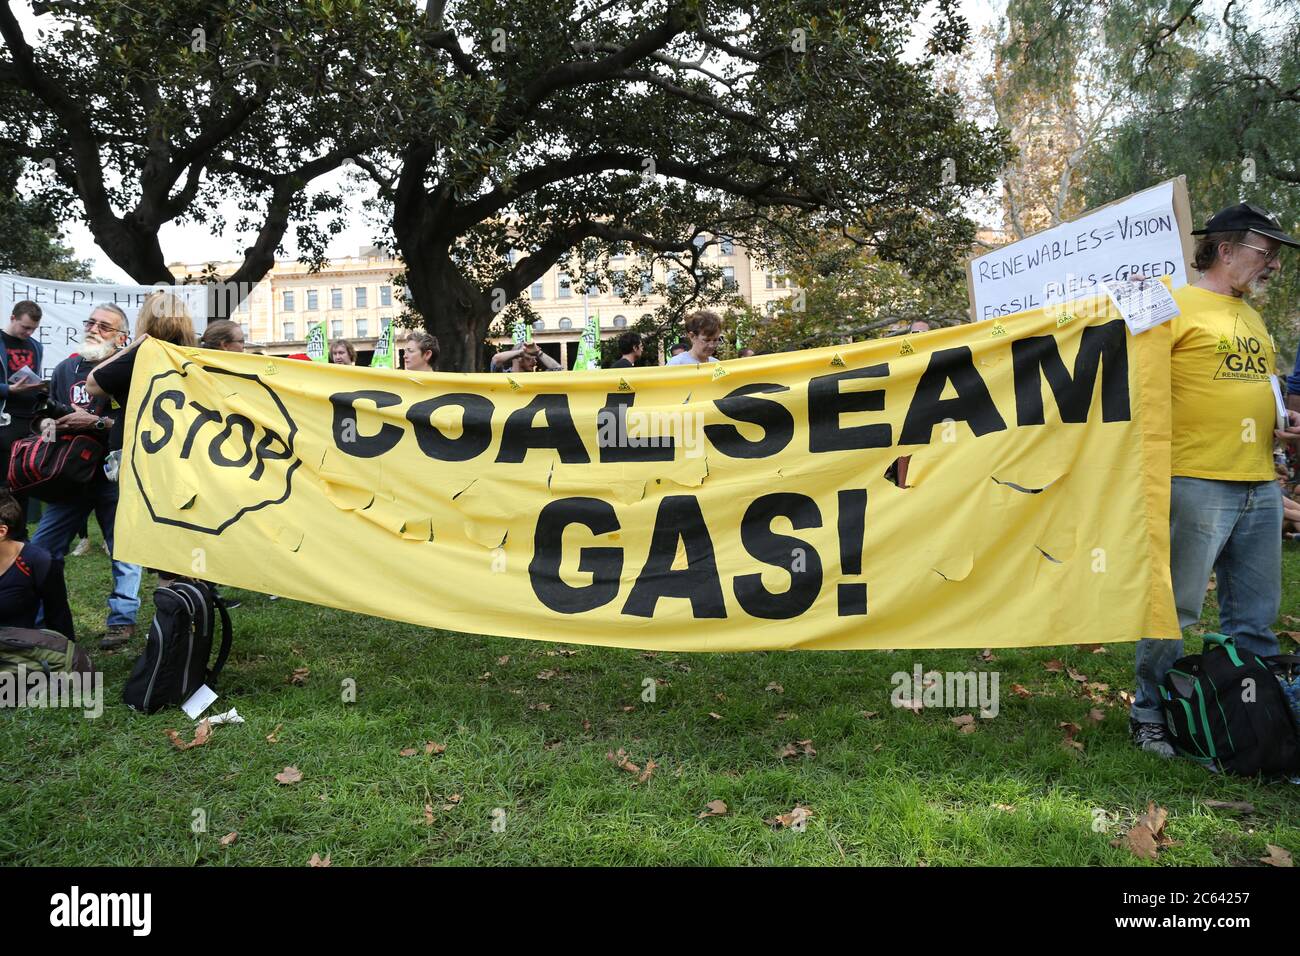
{"x": 199, "y": 701}
{"x": 1143, "y": 305}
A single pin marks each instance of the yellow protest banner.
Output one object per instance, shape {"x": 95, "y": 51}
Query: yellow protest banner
{"x": 734, "y": 506}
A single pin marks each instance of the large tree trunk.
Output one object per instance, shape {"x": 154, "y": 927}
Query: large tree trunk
{"x": 453, "y": 310}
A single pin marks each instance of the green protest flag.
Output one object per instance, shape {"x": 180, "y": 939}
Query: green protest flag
{"x": 589, "y": 346}
{"x": 318, "y": 343}
{"x": 385, "y": 348}
{"x": 521, "y": 333}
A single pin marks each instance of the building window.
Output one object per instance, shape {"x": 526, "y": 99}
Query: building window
{"x": 673, "y": 276}
{"x": 361, "y": 297}
{"x": 647, "y": 282}
{"x": 620, "y": 321}
{"x": 287, "y": 331}
{"x": 288, "y": 302}
{"x": 336, "y": 329}
{"x": 616, "y": 282}
{"x": 770, "y": 283}
{"x": 336, "y": 298}
{"x": 363, "y": 328}
{"x": 385, "y": 295}
{"x": 565, "y": 288}
{"x": 699, "y": 242}
{"x": 539, "y": 326}
{"x": 729, "y": 278}
{"x": 726, "y": 247}
{"x": 593, "y": 287}
{"x": 566, "y": 324}
{"x": 535, "y": 290}
{"x": 313, "y": 300}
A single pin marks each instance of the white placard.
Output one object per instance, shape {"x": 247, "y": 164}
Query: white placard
{"x": 65, "y": 305}
{"x": 1279, "y": 406}
{"x": 1138, "y": 236}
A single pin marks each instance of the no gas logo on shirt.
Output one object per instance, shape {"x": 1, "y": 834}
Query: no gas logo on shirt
{"x": 203, "y": 462}
{"x": 1247, "y": 362}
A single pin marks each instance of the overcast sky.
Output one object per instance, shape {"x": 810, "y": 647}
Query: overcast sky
{"x": 194, "y": 243}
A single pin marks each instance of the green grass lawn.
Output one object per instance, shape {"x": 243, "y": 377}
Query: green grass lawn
{"x": 528, "y": 736}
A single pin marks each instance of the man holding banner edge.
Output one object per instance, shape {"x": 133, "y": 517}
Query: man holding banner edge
{"x": 1225, "y": 509}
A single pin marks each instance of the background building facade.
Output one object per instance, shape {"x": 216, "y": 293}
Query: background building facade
{"x": 355, "y": 295}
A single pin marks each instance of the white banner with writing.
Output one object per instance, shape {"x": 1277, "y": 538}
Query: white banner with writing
{"x": 65, "y": 305}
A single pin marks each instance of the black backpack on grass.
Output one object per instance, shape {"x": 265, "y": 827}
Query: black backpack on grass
{"x": 1226, "y": 709}
{"x": 175, "y": 660}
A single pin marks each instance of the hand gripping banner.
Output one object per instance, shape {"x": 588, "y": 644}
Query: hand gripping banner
{"x": 736, "y": 506}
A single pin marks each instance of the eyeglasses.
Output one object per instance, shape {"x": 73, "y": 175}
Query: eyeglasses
{"x": 1269, "y": 255}
{"x": 103, "y": 328}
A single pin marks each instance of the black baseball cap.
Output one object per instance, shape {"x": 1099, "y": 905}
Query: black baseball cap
{"x": 1245, "y": 217}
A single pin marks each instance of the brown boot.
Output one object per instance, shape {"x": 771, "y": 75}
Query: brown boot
{"x": 116, "y": 636}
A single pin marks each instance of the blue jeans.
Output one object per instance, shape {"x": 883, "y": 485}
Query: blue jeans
{"x": 1234, "y": 528}
{"x": 61, "y": 521}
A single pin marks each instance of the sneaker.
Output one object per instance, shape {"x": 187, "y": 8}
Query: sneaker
{"x": 82, "y": 549}
{"x": 116, "y": 636}
{"x": 1153, "y": 738}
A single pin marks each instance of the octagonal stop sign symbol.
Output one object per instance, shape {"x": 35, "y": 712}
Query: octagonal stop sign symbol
{"x": 211, "y": 445}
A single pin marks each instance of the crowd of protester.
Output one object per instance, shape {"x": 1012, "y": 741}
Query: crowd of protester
{"x": 1232, "y": 501}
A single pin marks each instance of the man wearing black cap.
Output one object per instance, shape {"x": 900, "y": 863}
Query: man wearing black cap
{"x": 1225, "y": 507}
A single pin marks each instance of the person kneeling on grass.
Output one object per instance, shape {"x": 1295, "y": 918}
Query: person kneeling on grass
{"x": 29, "y": 578}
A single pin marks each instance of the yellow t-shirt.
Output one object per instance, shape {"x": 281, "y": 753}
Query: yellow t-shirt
{"x": 1223, "y": 408}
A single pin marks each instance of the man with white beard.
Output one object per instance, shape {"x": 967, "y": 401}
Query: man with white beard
{"x": 106, "y": 332}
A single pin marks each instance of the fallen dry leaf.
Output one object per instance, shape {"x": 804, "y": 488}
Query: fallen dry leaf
{"x": 202, "y": 734}
{"x": 793, "y": 818}
{"x": 1070, "y": 730}
{"x": 798, "y": 748}
{"x": 1096, "y": 715}
{"x": 542, "y": 706}
{"x": 586, "y": 725}
{"x": 1090, "y": 648}
{"x": 986, "y": 655}
{"x": 503, "y": 660}
{"x": 434, "y": 748}
{"x": 408, "y": 752}
{"x": 485, "y": 675}
{"x": 785, "y": 715}
{"x": 546, "y": 674}
{"x": 1147, "y": 836}
{"x": 1054, "y": 666}
{"x": 1004, "y": 807}
{"x": 720, "y": 697}
{"x": 775, "y": 688}
{"x": 451, "y": 802}
{"x": 317, "y": 861}
{"x": 289, "y": 775}
{"x": 965, "y": 723}
{"x": 621, "y": 761}
{"x": 1075, "y": 675}
{"x": 428, "y": 814}
{"x": 299, "y": 676}
{"x": 648, "y": 772}
{"x": 1020, "y": 691}
{"x": 628, "y": 708}
{"x": 715, "y": 716}
{"x": 915, "y": 706}
{"x": 273, "y": 736}
{"x": 1240, "y": 805}
{"x": 714, "y": 808}
{"x": 1277, "y": 856}
{"x": 869, "y": 714}
{"x": 229, "y": 838}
